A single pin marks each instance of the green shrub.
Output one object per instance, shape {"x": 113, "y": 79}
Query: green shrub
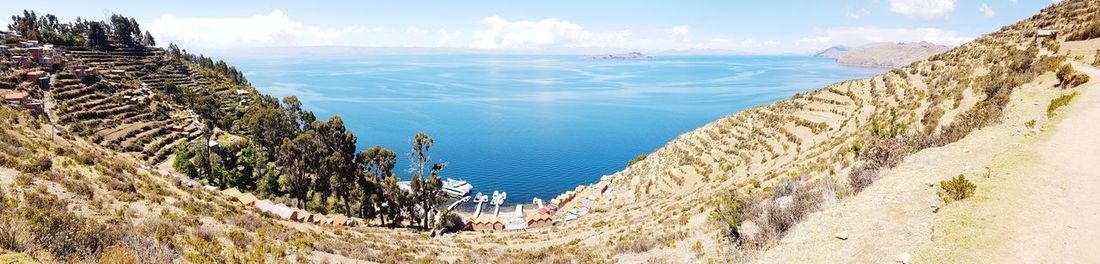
{"x": 1059, "y": 102}
{"x": 640, "y": 157}
{"x": 957, "y": 188}
{"x": 727, "y": 214}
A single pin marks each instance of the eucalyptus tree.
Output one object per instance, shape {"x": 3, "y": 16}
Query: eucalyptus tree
{"x": 374, "y": 166}
{"x": 395, "y": 199}
{"x": 338, "y": 165}
{"x": 299, "y": 163}
{"x": 426, "y": 191}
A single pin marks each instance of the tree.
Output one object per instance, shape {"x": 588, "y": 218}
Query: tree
{"x": 339, "y": 162}
{"x": 149, "y": 39}
{"x": 374, "y": 165}
{"x": 27, "y": 25}
{"x": 426, "y": 192}
{"x": 97, "y": 35}
{"x": 267, "y": 124}
{"x": 298, "y": 163}
{"x": 395, "y": 200}
{"x": 125, "y": 29}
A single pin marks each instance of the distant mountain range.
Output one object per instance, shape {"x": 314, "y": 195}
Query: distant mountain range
{"x": 889, "y": 55}
{"x": 341, "y": 51}
{"x": 625, "y": 56}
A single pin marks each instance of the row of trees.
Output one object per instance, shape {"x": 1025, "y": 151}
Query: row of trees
{"x": 315, "y": 163}
{"x": 89, "y": 33}
{"x": 230, "y": 72}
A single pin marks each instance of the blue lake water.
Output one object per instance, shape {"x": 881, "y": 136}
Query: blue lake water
{"x": 534, "y": 125}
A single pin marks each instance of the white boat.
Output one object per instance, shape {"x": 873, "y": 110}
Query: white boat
{"x": 457, "y": 188}
{"x": 453, "y": 188}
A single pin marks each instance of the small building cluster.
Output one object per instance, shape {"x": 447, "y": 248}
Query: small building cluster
{"x": 30, "y": 54}
{"x": 285, "y": 212}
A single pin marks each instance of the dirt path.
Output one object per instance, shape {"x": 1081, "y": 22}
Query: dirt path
{"x": 1069, "y": 228}
{"x": 894, "y": 218}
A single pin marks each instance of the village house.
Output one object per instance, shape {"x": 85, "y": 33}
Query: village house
{"x": 22, "y": 99}
{"x": 17, "y": 98}
{"x": 34, "y": 75}
{"x": 36, "y": 53}
{"x": 22, "y": 62}
{"x": 56, "y": 60}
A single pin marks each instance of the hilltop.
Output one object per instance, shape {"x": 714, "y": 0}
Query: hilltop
{"x": 832, "y": 52}
{"x": 118, "y": 160}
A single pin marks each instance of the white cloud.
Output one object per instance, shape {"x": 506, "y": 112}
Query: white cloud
{"x": 1014, "y": 1}
{"x": 856, "y": 36}
{"x": 416, "y": 30}
{"x": 924, "y": 9}
{"x": 678, "y": 31}
{"x": 986, "y": 10}
{"x": 545, "y": 33}
{"x": 445, "y": 36}
{"x": 857, "y": 14}
{"x": 271, "y": 30}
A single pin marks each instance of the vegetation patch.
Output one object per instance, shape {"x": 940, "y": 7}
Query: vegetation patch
{"x": 1059, "y": 102}
{"x": 640, "y": 157}
{"x": 957, "y": 188}
{"x": 1086, "y": 33}
{"x": 1069, "y": 78}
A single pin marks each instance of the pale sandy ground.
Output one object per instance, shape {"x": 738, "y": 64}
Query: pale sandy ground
{"x": 1046, "y": 218}
{"x": 1069, "y": 229}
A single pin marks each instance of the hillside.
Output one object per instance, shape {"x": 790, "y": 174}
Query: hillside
{"x": 832, "y": 52}
{"x": 113, "y": 163}
{"x": 889, "y": 55}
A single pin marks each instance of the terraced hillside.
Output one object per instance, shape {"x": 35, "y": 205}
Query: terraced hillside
{"x": 129, "y": 107}
{"x": 791, "y": 157}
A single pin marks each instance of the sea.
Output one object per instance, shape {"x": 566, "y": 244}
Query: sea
{"x": 533, "y": 125}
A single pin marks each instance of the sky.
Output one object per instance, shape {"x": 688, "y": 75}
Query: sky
{"x": 764, "y": 27}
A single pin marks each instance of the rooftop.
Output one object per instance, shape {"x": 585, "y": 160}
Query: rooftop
{"x": 16, "y": 96}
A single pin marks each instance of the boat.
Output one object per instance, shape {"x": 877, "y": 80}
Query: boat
{"x": 457, "y": 188}
{"x": 453, "y": 188}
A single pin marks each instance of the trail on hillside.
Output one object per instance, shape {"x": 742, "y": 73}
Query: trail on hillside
{"x": 1068, "y": 230}
{"x": 897, "y": 217}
